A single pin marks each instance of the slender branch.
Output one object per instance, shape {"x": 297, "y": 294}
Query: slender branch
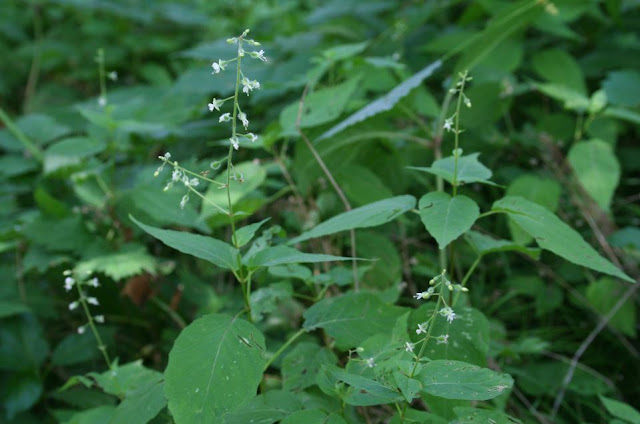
{"x": 283, "y": 348}
{"x": 334, "y": 183}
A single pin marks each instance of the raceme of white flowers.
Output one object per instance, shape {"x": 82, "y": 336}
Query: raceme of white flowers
{"x": 82, "y": 283}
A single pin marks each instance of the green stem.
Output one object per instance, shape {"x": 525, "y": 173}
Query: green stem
{"x": 101, "y": 346}
{"x": 22, "y": 138}
{"x": 180, "y": 322}
{"x": 283, "y": 348}
{"x": 466, "y": 278}
{"x": 463, "y": 80}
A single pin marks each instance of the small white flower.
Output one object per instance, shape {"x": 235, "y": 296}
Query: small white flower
{"x": 218, "y": 66}
{"x": 241, "y": 52}
{"x": 73, "y": 305}
{"x": 184, "y": 201}
{"x": 448, "y": 124}
{"x": 94, "y": 282}
{"x": 467, "y": 102}
{"x": 176, "y": 174}
{"x": 113, "y": 76}
{"x": 370, "y": 362}
{"x": 68, "y": 283}
{"x": 167, "y": 156}
{"x": 421, "y": 295}
{"x": 258, "y": 55}
{"x": 408, "y": 347}
{"x": 443, "y": 339}
{"x": 99, "y": 319}
{"x": 448, "y": 313}
{"x": 422, "y": 328}
{"x": 193, "y": 182}
{"x": 252, "y": 137}
{"x": 81, "y": 329}
{"x": 215, "y": 105}
{"x": 92, "y": 301}
{"x": 251, "y": 42}
{"x": 248, "y": 85}
{"x": 243, "y": 118}
{"x": 234, "y": 143}
{"x": 102, "y": 101}
{"x": 233, "y": 40}
{"x": 225, "y": 117}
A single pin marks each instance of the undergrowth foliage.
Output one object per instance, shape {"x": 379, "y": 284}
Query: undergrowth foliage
{"x": 323, "y": 241}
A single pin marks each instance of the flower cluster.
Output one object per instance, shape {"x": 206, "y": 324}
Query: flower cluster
{"x": 248, "y": 85}
{"x": 81, "y": 283}
{"x": 459, "y": 89}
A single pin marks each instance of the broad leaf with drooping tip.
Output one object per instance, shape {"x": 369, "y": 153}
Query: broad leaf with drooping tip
{"x": 469, "y": 170}
{"x": 445, "y": 217}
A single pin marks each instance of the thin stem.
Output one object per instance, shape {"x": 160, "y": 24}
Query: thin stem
{"x": 180, "y": 322}
{"x": 101, "y": 73}
{"x": 83, "y": 301}
{"x": 461, "y": 82}
{"x": 34, "y": 71}
{"x": 22, "y": 137}
{"x": 233, "y": 137}
{"x": 283, "y": 348}
{"x": 466, "y": 278}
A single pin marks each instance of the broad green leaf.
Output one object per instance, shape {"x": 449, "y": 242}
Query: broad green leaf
{"x": 603, "y": 294}
{"x": 9, "y": 308}
{"x": 572, "y": 99}
{"x": 302, "y": 364}
{"x": 246, "y": 233}
{"x": 352, "y": 318}
{"x": 623, "y": 113}
{"x": 141, "y": 406}
{"x": 445, "y": 217}
{"x": 622, "y": 87}
{"x": 320, "y": 107}
{"x": 132, "y": 259}
{"x": 385, "y": 103}
{"x": 470, "y": 170}
{"x": 627, "y": 237}
{"x": 597, "y": 169}
{"x": 370, "y": 215}
{"x": 99, "y": 415}
{"x": 409, "y": 387}
{"x": 282, "y": 255}
{"x": 252, "y": 176}
{"x": 484, "y": 244}
{"x": 364, "y": 391}
{"x": 23, "y": 345}
{"x": 544, "y": 191}
{"x": 266, "y": 300}
{"x": 468, "y": 415}
{"x": 75, "y": 349}
{"x": 313, "y": 416}
{"x": 58, "y": 235}
{"x": 621, "y": 410}
{"x": 70, "y": 152}
{"x": 215, "y": 251}
{"x": 215, "y": 364}
{"x": 557, "y": 66}
{"x": 266, "y": 408}
{"x": 125, "y": 380}
{"x": 554, "y": 235}
{"x": 20, "y": 392}
{"x": 468, "y": 334}
{"x": 539, "y": 378}
{"x": 460, "y": 380}
{"x": 291, "y": 271}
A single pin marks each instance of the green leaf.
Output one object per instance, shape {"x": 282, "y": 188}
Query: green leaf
{"x": 558, "y": 67}
{"x": 320, "y": 107}
{"x": 215, "y": 251}
{"x": 266, "y": 408}
{"x": 75, "y": 349}
{"x": 302, "y": 364}
{"x": 23, "y": 345}
{"x": 370, "y": 215}
{"x": 468, "y": 415}
{"x": 246, "y": 233}
{"x": 141, "y": 406}
{"x": 282, "y": 255}
{"x": 624, "y": 114}
{"x": 554, "y": 235}
{"x": 20, "y": 392}
{"x": 470, "y": 170}
{"x": 126, "y": 380}
{"x": 216, "y": 363}
{"x": 352, "y": 318}
{"x": 70, "y": 152}
{"x": 132, "y": 259}
{"x": 385, "y": 103}
{"x": 484, "y": 244}
{"x": 597, "y": 169}
{"x": 252, "y": 177}
{"x": 445, "y": 217}
{"x": 313, "y": 416}
{"x": 603, "y": 294}
{"x": 10, "y": 308}
{"x": 621, "y": 410}
{"x": 622, "y": 87}
{"x": 459, "y": 380}
{"x": 572, "y": 99}
{"x": 364, "y": 391}
{"x": 99, "y": 415}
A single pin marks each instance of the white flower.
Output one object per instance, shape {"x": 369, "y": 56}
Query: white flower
{"x": 234, "y": 142}
{"x": 448, "y": 124}
{"x": 225, "y": 117}
{"x": 370, "y": 362}
{"x": 218, "y": 66}
{"x": 113, "y": 76}
{"x": 422, "y": 328}
{"x": 68, "y": 283}
{"x": 443, "y": 339}
{"x": 467, "y": 102}
{"x": 193, "y": 182}
{"x": 94, "y": 282}
{"x": 102, "y": 101}
{"x": 73, "y": 305}
{"x": 241, "y": 52}
{"x": 184, "y": 201}
{"x": 448, "y": 313}
{"x": 232, "y": 40}
{"x": 248, "y": 85}
{"x": 81, "y": 329}
{"x": 251, "y": 42}
{"x": 258, "y": 55}
{"x": 408, "y": 347}
{"x": 243, "y": 118}
{"x": 92, "y": 301}
{"x": 167, "y": 156}
{"x": 99, "y": 319}
{"x": 176, "y": 174}
{"x": 252, "y": 137}
{"x": 215, "y": 104}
